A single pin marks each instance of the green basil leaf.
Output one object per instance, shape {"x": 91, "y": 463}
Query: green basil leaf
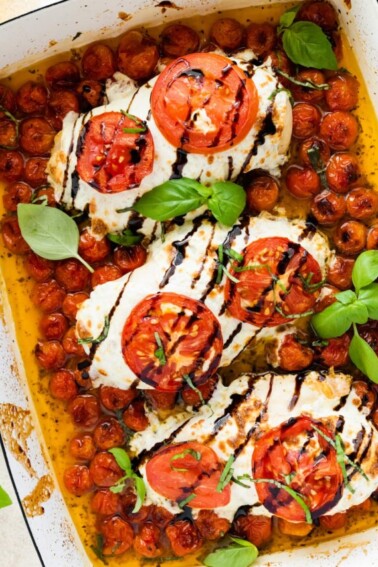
{"x": 122, "y": 459}
{"x": 306, "y": 44}
{"x": 5, "y": 499}
{"x": 334, "y": 321}
{"x": 50, "y": 232}
{"x": 288, "y": 18}
{"x": 243, "y": 554}
{"x": 140, "y": 489}
{"x": 346, "y": 297}
{"x": 125, "y": 238}
{"x": 358, "y": 313}
{"x": 226, "y": 475}
{"x": 173, "y": 198}
{"x": 365, "y": 270}
{"x": 363, "y": 356}
{"x": 227, "y": 202}
{"x": 369, "y": 296}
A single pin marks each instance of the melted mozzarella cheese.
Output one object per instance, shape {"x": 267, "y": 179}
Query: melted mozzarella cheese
{"x": 265, "y": 146}
{"x": 264, "y": 403}
{"x": 186, "y": 263}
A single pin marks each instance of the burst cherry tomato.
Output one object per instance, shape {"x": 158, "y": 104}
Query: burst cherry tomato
{"x": 118, "y": 535}
{"x": 339, "y": 130}
{"x": 98, "y": 62}
{"x": 204, "y": 86}
{"x": 270, "y": 294}
{"x": 192, "y": 468}
{"x": 261, "y": 38}
{"x": 316, "y": 474}
{"x": 112, "y": 160}
{"x": 185, "y": 330}
{"x": 178, "y": 40}
{"x": 227, "y": 33}
{"x": 343, "y": 92}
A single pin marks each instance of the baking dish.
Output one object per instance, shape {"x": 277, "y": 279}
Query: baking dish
{"x": 67, "y": 25}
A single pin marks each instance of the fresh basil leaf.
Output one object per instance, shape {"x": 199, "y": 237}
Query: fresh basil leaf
{"x": 365, "y": 270}
{"x": 363, "y": 356}
{"x": 173, "y": 198}
{"x": 288, "y": 17}
{"x": 5, "y": 499}
{"x": 334, "y": 321}
{"x": 243, "y": 554}
{"x": 227, "y": 202}
{"x": 125, "y": 238}
{"x": 185, "y": 502}
{"x": 122, "y": 459}
{"x": 369, "y": 296}
{"x": 140, "y": 489}
{"x": 358, "y": 313}
{"x": 306, "y": 84}
{"x": 189, "y": 381}
{"x": 306, "y": 44}
{"x": 100, "y": 338}
{"x": 160, "y": 352}
{"x": 50, "y": 232}
{"x": 346, "y": 297}
{"x": 226, "y": 475}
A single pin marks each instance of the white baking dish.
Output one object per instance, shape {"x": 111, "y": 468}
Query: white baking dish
{"x": 72, "y": 23}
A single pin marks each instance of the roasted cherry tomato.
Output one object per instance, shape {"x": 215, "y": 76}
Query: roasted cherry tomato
{"x": 306, "y": 120}
{"x": 50, "y": 355}
{"x": 62, "y": 385}
{"x": 115, "y": 399}
{"x": 71, "y": 304}
{"x": 77, "y": 480}
{"x": 108, "y": 433}
{"x": 192, "y": 468}
{"x": 32, "y": 98}
{"x": 255, "y": 528}
{"x": 343, "y": 92}
{"x": 35, "y": 171}
{"x": 8, "y": 134}
{"x": 293, "y": 356}
{"x": 137, "y": 55}
{"x": 105, "y": 503}
{"x": 315, "y": 146}
{"x": 60, "y": 104}
{"x": 262, "y": 193}
{"x": 261, "y": 38}
{"x": 343, "y": 171}
{"x": 118, "y": 535}
{"x": 53, "y": 326}
{"x": 147, "y": 542}
{"x": 178, "y": 40}
{"x": 350, "y": 237}
{"x": 362, "y": 203}
{"x": 82, "y": 447}
{"x": 111, "y": 159}
{"x": 309, "y": 94}
{"x": 339, "y": 130}
{"x": 98, "y": 62}
{"x": 38, "y": 268}
{"x": 48, "y": 296}
{"x": 227, "y": 33}
{"x": 184, "y": 537}
{"x": 203, "y": 88}
{"x": 302, "y": 182}
{"x": 104, "y": 469}
{"x": 320, "y": 13}
{"x": 340, "y": 272}
{"x": 129, "y": 258}
{"x": 16, "y": 192}
{"x": 36, "y": 136}
{"x": 7, "y": 100}
{"x": 211, "y": 526}
{"x": 183, "y": 330}
{"x": 328, "y": 207}
{"x": 62, "y": 75}
{"x": 275, "y": 287}
{"x": 297, "y": 450}
{"x": 11, "y": 165}
{"x": 84, "y": 410}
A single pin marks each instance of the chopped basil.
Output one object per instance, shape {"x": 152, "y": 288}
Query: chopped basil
{"x": 221, "y": 267}
{"x": 185, "y": 502}
{"x": 100, "y": 338}
{"x": 125, "y": 238}
{"x": 233, "y": 254}
{"x": 226, "y": 475}
{"x": 282, "y": 90}
{"x": 317, "y": 164}
{"x": 5, "y": 499}
{"x": 306, "y": 84}
{"x": 189, "y": 381}
{"x": 98, "y": 549}
{"x": 195, "y": 454}
{"x": 308, "y": 286}
{"x": 123, "y": 461}
{"x": 140, "y": 127}
{"x": 159, "y": 352}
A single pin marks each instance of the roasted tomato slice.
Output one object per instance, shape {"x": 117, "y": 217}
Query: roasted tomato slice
{"x": 204, "y": 103}
{"x": 277, "y": 279}
{"x": 168, "y": 336}
{"x": 110, "y": 159}
{"x": 296, "y": 455}
{"x": 190, "y": 468}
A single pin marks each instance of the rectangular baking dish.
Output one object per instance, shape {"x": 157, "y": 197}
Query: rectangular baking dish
{"x": 56, "y": 28}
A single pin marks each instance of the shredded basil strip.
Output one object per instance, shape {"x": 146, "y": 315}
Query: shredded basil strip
{"x": 189, "y": 381}
{"x": 159, "y": 352}
{"x": 222, "y": 268}
{"x": 186, "y": 501}
{"x": 195, "y": 454}
{"x": 306, "y": 84}
{"x": 123, "y": 461}
{"x": 141, "y": 125}
{"x": 98, "y": 549}
{"x": 226, "y": 475}
{"x": 233, "y": 254}
{"x": 100, "y": 338}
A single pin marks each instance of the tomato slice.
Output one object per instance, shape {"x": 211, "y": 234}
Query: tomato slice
{"x": 110, "y": 159}
{"x": 190, "y": 468}
{"x": 296, "y": 451}
{"x": 181, "y": 329}
{"x": 204, "y": 103}
{"x": 281, "y": 281}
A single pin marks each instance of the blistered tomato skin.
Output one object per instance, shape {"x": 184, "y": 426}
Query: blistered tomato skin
{"x": 210, "y": 526}
{"x": 17, "y": 192}
{"x": 315, "y": 145}
{"x": 48, "y": 296}
{"x": 104, "y": 274}
{"x": 343, "y": 172}
{"x": 129, "y": 258}
{"x": 320, "y": 13}
{"x": 38, "y": 268}
{"x": 77, "y": 480}
{"x": 256, "y": 529}
{"x": 340, "y": 272}
{"x": 118, "y": 535}
{"x": 147, "y": 542}
{"x": 98, "y": 62}
{"x": 32, "y": 98}
{"x": 60, "y": 104}
{"x": 302, "y": 182}
{"x": 340, "y": 130}
{"x": 115, "y": 399}
{"x": 350, "y": 237}
{"x": 72, "y": 275}
{"x": 62, "y": 385}
{"x": 261, "y": 38}
{"x": 293, "y": 356}
{"x": 11, "y": 165}
{"x": 362, "y": 203}
{"x": 62, "y": 75}
{"x": 105, "y": 503}
{"x": 328, "y": 207}
{"x": 50, "y": 355}
{"x": 35, "y": 171}
{"x": 84, "y": 411}
{"x": 82, "y": 447}
{"x": 108, "y": 433}
{"x": 72, "y": 303}
{"x": 178, "y": 40}
{"x": 308, "y": 94}
{"x": 184, "y": 537}
{"x": 104, "y": 470}
{"x": 227, "y": 33}
{"x": 262, "y": 194}
{"x": 343, "y": 92}
{"x": 53, "y": 326}
{"x": 306, "y": 120}
{"x": 137, "y": 55}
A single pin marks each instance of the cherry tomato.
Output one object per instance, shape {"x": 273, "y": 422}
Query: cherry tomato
{"x": 161, "y": 400}
{"x": 328, "y": 207}
{"x": 118, "y": 535}
{"x": 91, "y": 94}
{"x": 160, "y": 516}
{"x": 372, "y": 238}
{"x": 8, "y": 134}
{"x": 104, "y": 274}
{"x": 313, "y": 144}
{"x": 12, "y": 237}
{"x": 11, "y": 165}
{"x": 53, "y": 326}
{"x": 350, "y": 237}
{"x": 82, "y": 447}
{"x": 112, "y": 160}
{"x": 147, "y": 542}
{"x": 36, "y": 136}
{"x": 71, "y": 345}
{"x": 48, "y": 296}
{"x": 184, "y": 537}
{"x": 306, "y": 120}
{"x": 115, "y": 399}
{"x": 317, "y": 475}
{"x": 340, "y": 272}
{"x": 339, "y": 130}
{"x": 320, "y": 13}
{"x": 32, "y": 98}
{"x": 98, "y": 62}
{"x": 77, "y": 480}
{"x": 259, "y": 293}
{"x": 281, "y": 62}
{"x": 210, "y": 526}
{"x": 129, "y": 258}
{"x": 72, "y": 274}
{"x": 108, "y": 433}
{"x": 60, "y": 104}
{"x": 16, "y": 192}
{"x": 106, "y": 503}
{"x": 334, "y": 522}
{"x": 62, "y": 75}
{"x": 255, "y": 528}
{"x": 261, "y": 38}
{"x": 362, "y": 203}
{"x": 193, "y": 398}
{"x": 227, "y": 33}
{"x": 50, "y": 355}
{"x": 178, "y": 40}
{"x": 104, "y": 469}
{"x": 302, "y": 182}
{"x": 204, "y": 85}
{"x": 84, "y": 411}
{"x": 38, "y": 268}
{"x": 35, "y": 171}
{"x": 43, "y": 193}
{"x": 62, "y": 385}
{"x": 137, "y": 55}
{"x": 336, "y": 352}
{"x": 293, "y": 356}
{"x": 294, "y": 529}
{"x": 195, "y": 469}
{"x": 309, "y": 94}
{"x": 7, "y": 100}
{"x": 343, "y": 92}
{"x": 262, "y": 193}
{"x": 190, "y": 336}
{"x": 72, "y": 303}
{"x": 343, "y": 171}
{"x": 135, "y": 416}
